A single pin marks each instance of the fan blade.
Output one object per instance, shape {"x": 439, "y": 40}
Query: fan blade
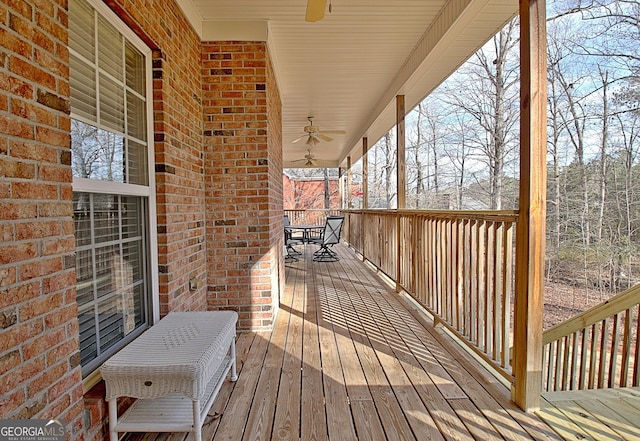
{"x": 315, "y": 10}
{"x": 299, "y": 138}
{"x": 324, "y": 137}
{"x": 333, "y": 132}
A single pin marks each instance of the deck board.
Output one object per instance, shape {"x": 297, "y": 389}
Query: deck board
{"x": 607, "y": 414}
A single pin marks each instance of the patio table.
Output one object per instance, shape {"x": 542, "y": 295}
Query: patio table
{"x": 306, "y": 230}
{"x": 175, "y": 369}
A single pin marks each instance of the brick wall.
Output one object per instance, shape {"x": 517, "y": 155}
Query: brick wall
{"x": 276, "y": 218}
{"x": 179, "y": 156}
{"x": 224, "y": 231}
{"x": 39, "y": 357}
{"x": 300, "y": 193}
{"x": 243, "y": 153}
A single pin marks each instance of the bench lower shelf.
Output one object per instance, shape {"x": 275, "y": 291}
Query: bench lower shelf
{"x": 175, "y": 412}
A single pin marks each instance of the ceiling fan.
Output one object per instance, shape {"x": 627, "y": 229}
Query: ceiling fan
{"x": 314, "y": 135}
{"x": 315, "y": 10}
{"x": 309, "y": 160}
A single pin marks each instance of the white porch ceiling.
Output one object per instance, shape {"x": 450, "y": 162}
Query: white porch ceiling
{"x": 347, "y": 69}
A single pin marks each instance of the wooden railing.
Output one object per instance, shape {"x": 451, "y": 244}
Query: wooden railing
{"x": 310, "y": 216}
{"x": 458, "y": 265}
{"x": 596, "y": 349}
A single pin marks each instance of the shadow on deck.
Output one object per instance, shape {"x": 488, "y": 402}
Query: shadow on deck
{"x": 349, "y": 360}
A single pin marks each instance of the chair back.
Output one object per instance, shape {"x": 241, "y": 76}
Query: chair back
{"x": 332, "y": 229}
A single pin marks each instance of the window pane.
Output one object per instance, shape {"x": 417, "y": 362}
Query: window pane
{"x": 82, "y": 216}
{"x": 96, "y": 154}
{"x": 88, "y": 343}
{"x": 111, "y": 104}
{"x": 131, "y": 260}
{"x": 110, "y": 324}
{"x": 111, "y": 264}
{"x": 136, "y": 123}
{"x": 83, "y": 89}
{"x": 105, "y": 218}
{"x": 135, "y": 69}
{"x": 137, "y": 156}
{"x": 110, "y": 50}
{"x": 131, "y": 218}
{"x": 82, "y": 29}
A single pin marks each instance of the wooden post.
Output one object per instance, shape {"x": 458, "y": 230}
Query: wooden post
{"x": 349, "y": 183}
{"x": 340, "y": 187}
{"x": 365, "y": 174}
{"x": 365, "y": 191}
{"x": 401, "y": 157}
{"x": 400, "y": 182}
{"x": 530, "y": 231}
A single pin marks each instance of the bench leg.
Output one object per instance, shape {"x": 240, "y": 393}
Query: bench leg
{"x": 234, "y": 374}
{"x": 197, "y": 421}
{"x": 113, "y": 419}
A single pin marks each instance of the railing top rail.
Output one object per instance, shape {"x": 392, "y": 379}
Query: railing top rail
{"x": 502, "y": 215}
{"x": 614, "y": 305}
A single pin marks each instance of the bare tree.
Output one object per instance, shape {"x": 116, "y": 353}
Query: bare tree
{"x": 489, "y": 95}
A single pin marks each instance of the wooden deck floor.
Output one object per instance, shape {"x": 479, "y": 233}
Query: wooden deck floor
{"x": 610, "y": 414}
{"x": 349, "y": 360}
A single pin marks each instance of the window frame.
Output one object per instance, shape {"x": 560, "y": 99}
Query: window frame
{"x": 147, "y": 192}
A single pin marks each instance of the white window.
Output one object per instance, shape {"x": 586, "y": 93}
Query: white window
{"x": 113, "y": 195}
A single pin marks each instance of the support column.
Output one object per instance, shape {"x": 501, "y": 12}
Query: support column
{"x": 530, "y": 232}
{"x": 349, "y": 183}
{"x": 340, "y": 188}
{"x": 401, "y": 182}
{"x": 365, "y": 174}
{"x": 365, "y": 191}
{"x": 400, "y": 145}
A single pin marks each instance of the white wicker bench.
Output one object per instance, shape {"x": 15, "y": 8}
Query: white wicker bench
{"x": 175, "y": 369}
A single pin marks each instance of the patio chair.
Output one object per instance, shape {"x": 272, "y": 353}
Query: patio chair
{"x": 290, "y": 240}
{"x": 329, "y": 236}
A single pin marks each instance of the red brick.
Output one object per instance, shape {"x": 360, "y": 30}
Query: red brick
{"x": 46, "y": 378}
{"x": 40, "y": 268}
{"x": 58, "y": 246}
{"x": 12, "y": 400}
{"x": 40, "y": 307}
{"x": 16, "y": 127}
{"x": 34, "y": 151}
{"x": 33, "y": 190}
{"x": 16, "y": 252}
{"x": 10, "y": 168}
{"x": 32, "y": 73}
{"x": 37, "y": 229}
{"x": 53, "y": 137}
{"x": 14, "y": 336}
{"x": 60, "y": 316}
{"x": 33, "y": 112}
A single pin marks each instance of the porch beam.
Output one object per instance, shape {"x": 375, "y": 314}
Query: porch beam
{"x": 530, "y": 232}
